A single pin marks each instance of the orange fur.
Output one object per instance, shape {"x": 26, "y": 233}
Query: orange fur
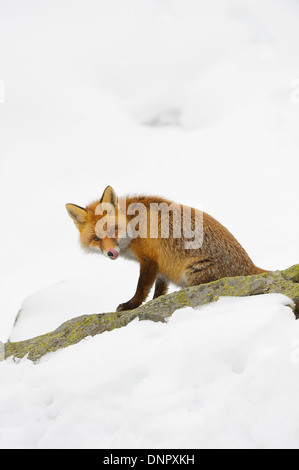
{"x": 161, "y": 259}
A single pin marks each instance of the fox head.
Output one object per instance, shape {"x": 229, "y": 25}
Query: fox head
{"x": 100, "y": 224}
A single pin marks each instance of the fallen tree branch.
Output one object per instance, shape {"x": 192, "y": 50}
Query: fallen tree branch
{"x": 71, "y": 332}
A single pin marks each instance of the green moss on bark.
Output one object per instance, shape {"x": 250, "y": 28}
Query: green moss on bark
{"x": 73, "y": 331}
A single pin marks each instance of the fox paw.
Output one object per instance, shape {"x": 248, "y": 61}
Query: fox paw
{"x": 124, "y": 307}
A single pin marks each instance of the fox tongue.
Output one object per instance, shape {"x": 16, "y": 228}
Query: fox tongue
{"x": 113, "y": 254}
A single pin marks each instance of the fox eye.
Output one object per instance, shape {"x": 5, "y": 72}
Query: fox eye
{"x": 96, "y": 239}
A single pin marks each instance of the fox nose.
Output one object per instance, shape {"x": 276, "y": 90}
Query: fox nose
{"x": 113, "y": 254}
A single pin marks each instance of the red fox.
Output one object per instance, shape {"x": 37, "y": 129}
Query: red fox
{"x": 154, "y": 238}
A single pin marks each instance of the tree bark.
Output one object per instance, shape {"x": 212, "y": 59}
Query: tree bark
{"x": 158, "y": 310}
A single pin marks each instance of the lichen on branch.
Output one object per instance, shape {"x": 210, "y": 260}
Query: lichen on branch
{"x": 73, "y": 331}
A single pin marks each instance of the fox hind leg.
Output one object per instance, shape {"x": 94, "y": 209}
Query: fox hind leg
{"x": 200, "y": 272}
{"x": 161, "y": 286}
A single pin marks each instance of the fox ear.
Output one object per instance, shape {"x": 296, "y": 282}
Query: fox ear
{"x": 77, "y": 214}
{"x": 109, "y": 196}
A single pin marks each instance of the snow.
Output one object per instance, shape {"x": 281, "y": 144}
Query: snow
{"x": 223, "y": 376}
{"x": 196, "y": 102}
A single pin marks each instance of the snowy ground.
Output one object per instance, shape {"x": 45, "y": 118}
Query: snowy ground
{"x": 194, "y": 101}
{"x": 223, "y": 376}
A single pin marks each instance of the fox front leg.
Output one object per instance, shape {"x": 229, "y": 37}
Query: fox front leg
{"x": 147, "y": 277}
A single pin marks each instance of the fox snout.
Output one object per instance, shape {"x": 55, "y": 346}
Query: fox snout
{"x": 112, "y": 253}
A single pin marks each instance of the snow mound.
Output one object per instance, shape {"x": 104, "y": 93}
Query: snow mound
{"x": 223, "y": 376}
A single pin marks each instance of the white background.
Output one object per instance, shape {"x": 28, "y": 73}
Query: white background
{"x": 90, "y": 89}
{"x": 192, "y": 100}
